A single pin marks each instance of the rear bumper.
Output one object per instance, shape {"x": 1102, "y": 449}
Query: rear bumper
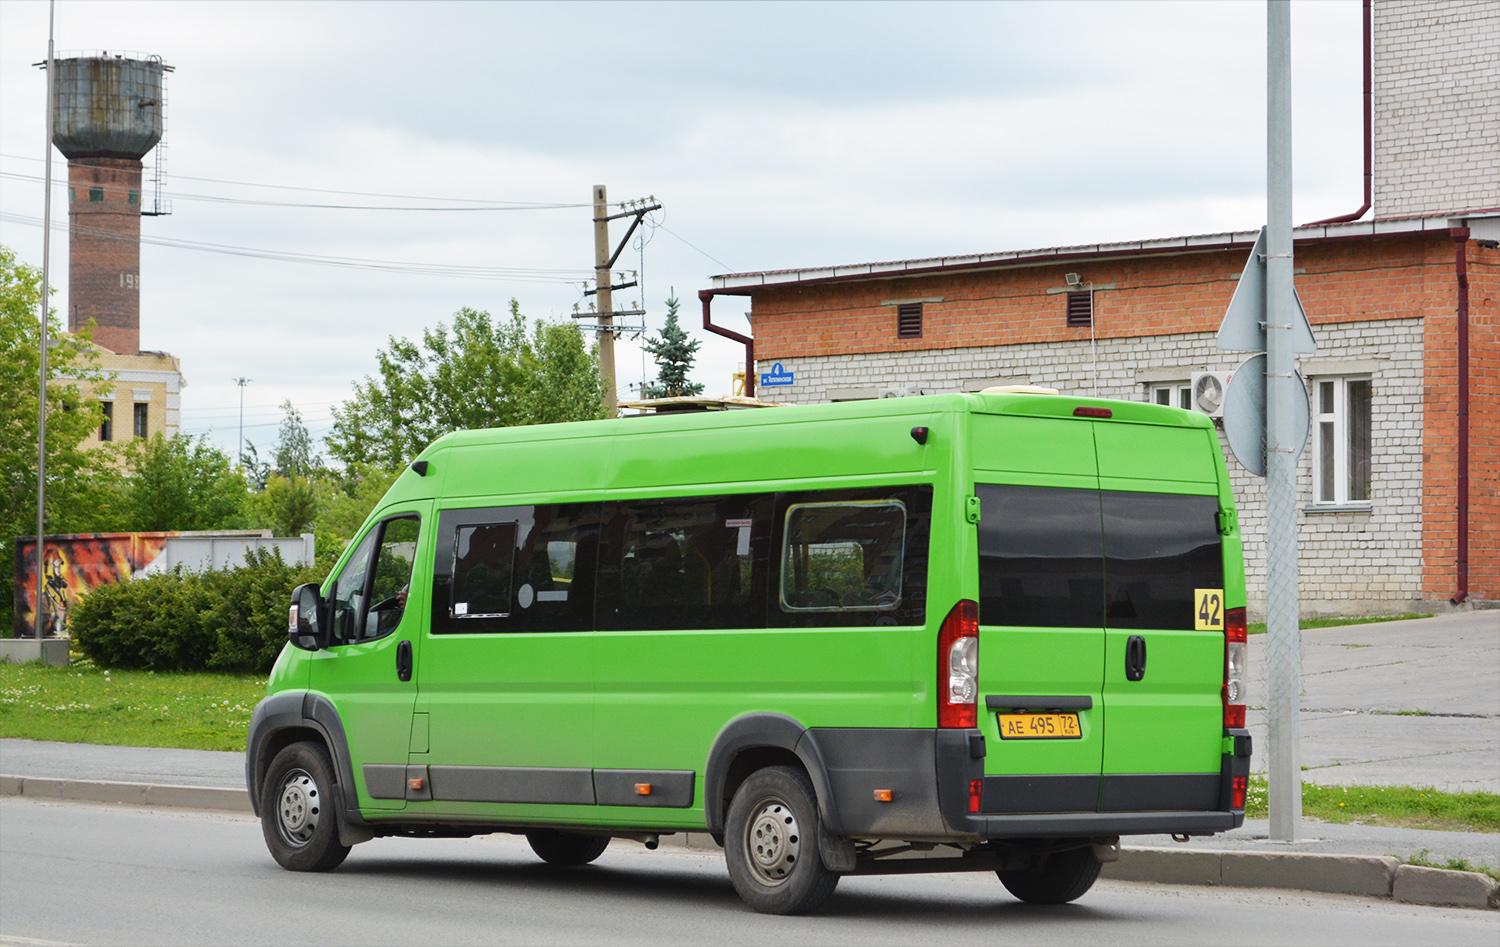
{"x": 930, "y": 774}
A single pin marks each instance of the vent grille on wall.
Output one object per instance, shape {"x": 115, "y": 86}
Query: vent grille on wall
{"x": 909, "y": 321}
{"x": 1080, "y": 309}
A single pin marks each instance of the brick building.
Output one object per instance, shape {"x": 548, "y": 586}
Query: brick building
{"x": 1381, "y": 498}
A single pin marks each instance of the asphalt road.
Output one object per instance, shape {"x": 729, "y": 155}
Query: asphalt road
{"x": 87, "y": 874}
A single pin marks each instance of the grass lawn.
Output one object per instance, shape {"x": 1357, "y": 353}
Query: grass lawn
{"x": 1259, "y": 627}
{"x": 82, "y": 704}
{"x": 1404, "y": 806}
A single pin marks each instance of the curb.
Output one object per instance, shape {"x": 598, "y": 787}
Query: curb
{"x": 137, "y": 794}
{"x": 1378, "y": 876}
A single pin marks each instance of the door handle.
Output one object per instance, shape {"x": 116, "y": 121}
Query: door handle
{"x": 403, "y": 661}
{"x": 1135, "y": 658}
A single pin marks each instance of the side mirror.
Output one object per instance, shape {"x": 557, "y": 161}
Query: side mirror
{"x": 304, "y": 619}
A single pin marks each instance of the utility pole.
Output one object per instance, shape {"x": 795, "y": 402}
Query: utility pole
{"x": 41, "y": 422}
{"x": 602, "y": 281}
{"x": 1283, "y": 635}
{"x": 242, "y": 382}
{"x": 604, "y": 261}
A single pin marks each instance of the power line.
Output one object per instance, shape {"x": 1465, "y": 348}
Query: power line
{"x": 495, "y": 273}
{"x": 324, "y": 190}
{"x": 695, "y": 247}
{"x": 219, "y": 199}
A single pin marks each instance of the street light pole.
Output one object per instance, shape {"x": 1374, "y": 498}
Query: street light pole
{"x": 242, "y": 382}
{"x": 41, "y": 421}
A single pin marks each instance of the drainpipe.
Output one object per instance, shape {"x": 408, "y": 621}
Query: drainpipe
{"x": 1369, "y": 129}
{"x": 1461, "y": 268}
{"x": 707, "y": 295}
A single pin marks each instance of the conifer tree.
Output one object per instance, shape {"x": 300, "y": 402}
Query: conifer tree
{"x": 674, "y": 354}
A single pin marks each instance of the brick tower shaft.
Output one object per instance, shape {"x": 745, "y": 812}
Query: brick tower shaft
{"x": 104, "y": 260}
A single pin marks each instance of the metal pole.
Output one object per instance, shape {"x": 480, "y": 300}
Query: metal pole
{"x": 41, "y": 420}
{"x": 1283, "y": 638}
{"x": 605, "y": 298}
{"x": 242, "y": 382}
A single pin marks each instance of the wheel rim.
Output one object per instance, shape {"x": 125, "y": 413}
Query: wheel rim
{"x": 773, "y": 841}
{"x": 298, "y": 806}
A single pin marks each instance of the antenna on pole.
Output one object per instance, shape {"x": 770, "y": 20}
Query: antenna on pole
{"x": 242, "y": 382}
{"x": 41, "y": 423}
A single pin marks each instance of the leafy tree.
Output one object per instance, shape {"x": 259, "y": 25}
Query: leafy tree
{"x": 289, "y": 505}
{"x": 484, "y": 373}
{"x": 293, "y": 456}
{"x": 344, "y": 507}
{"x": 674, "y": 355}
{"x": 178, "y": 483}
{"x": 77, "y": 489}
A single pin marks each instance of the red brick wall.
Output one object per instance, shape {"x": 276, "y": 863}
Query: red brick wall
{"x": 104, "y": 251}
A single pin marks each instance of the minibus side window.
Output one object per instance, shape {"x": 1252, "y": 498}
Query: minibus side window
{"x": 843, "y": 556}
{"x": 685, "y": 563}
{"x": 1041, "y": 557}
{"x": 1158, "y": 548}
{"x": 515, "y": 569}
{"x": 392, "y": 579}
{"x": 365, "y": 605}
{"x": 852, "y": 557}
{"x": 348, "y": 599}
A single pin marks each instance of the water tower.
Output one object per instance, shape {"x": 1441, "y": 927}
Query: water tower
{"x": 108, "y": 114}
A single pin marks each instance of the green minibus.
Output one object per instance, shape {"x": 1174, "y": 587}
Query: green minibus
{"x": 962, "y": 632}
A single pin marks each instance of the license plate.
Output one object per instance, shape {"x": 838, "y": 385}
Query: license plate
{"x": 1039, "y": 727}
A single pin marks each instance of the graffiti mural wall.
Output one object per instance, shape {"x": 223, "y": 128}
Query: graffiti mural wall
{"x": 71, "y": 566}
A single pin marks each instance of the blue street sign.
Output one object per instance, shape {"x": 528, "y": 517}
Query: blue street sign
{"x": 776, "y": 376}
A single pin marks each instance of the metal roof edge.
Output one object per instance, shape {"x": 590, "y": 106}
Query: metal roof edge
{"x": 1377, "y": 227}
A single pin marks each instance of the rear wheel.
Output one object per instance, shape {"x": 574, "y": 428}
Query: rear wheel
{"x": 1066, "y": 876}
{"x": 771, "y": 843}
{"x": 568, "y": 851}
{"x": 297, "y": 813}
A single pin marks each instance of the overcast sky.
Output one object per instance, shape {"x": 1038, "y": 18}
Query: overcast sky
{"x": 774, "y": 135}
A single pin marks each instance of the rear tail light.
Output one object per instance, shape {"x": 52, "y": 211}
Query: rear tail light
{"x": 1235, "y": 639}
{"x": 958, "y": 667}
{"x": 976, "y": 789}
{"x": 1237, "y": 794}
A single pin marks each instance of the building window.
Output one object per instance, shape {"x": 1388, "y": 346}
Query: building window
{"x": 134, "y": 197}
{"x": 1173, "y": 396}
{"x": 909, "y": 321}
{"x": 1080, "y": 309}
{"x": 1341, "y": 440}
{"x": 107, "y": 429}
{"x": 96, "y": 194}
{"x": 72, "y": 195}
{"x": 139, "y": 420}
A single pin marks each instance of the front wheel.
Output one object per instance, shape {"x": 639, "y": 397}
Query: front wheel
{"x": 1065, "y": 877}
{"x": 771, "y": 843}
{"x": 567, "y": 851}
{"x": 297, "y": 813}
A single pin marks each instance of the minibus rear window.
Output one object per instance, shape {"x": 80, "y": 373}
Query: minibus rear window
{"x": 1040, "y": 557}
{"x": 1158, "y": 548}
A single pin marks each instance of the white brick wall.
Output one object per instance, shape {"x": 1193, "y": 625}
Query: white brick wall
{"x": 1437, "y": 106}
{"x": 1367, "y": 562}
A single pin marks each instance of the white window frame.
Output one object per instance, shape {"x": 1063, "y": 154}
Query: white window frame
{"x": 1332, "y": 427}
{"x": 1179, "y": 394}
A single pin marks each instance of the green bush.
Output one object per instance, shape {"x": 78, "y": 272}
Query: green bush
{"x": 226, "y": 620}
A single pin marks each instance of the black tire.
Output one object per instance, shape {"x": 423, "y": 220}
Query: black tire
{"x": 1066, "y": 876}
{"x": 298, "y": 816}
{"x": 564, "y": 850}
{"x": 771, "y": 843}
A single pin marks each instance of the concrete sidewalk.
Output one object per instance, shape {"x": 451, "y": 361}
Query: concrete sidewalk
{"x": 1413, "y": 703}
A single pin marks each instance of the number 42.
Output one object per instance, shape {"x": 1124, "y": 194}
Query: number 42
{"x": 1209, "y": 610}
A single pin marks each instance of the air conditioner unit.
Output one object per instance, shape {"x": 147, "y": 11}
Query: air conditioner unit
{"x": 900, "y": 392}
{"x": 1208, "y": 392}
